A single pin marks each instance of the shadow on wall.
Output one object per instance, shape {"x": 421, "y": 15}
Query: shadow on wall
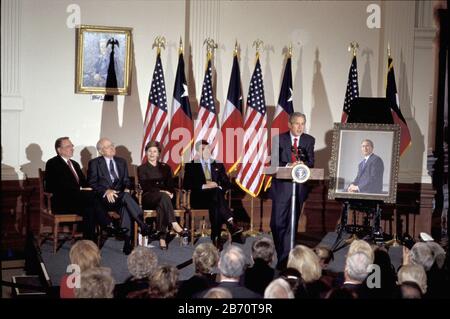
{"x": 131, "y": 131}
{"x": 366, "y": 84}
{"x": 34, "y": 155}
{"x": 86, "y": 154}
{"x": 122, "y": 151}
{"x": 298, "y": 85}
{"x": 323, "y": 155}
{"x": 412, "y": 158}
{"x": 321, "y": 117}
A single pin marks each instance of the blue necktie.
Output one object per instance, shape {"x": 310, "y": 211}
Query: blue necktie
{"x": 112, "y": 171}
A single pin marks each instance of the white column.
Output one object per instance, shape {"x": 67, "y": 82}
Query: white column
{"x": 11, "y": 99}
{"x": 204, "y": 21}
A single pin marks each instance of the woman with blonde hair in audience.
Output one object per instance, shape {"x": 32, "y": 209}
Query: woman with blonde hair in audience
{"x": 83, "y": 255}
{"x": 307, "y": 263}
{"x": 413, "y": 273}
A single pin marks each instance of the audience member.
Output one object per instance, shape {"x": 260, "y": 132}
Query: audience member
{"x": 279, "y": 288}
{"x": 163, "y": 282}
{"x": 96, "y": 283}
{"x": 142, "y": 262}
{"x": 218, "y": 293}
{"x": 85, "y": 255}
{"x": 205, "y": 259}
{"x": 258, "y": 277}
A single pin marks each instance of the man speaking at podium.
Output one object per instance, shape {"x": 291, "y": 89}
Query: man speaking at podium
{"x": 294, "y": 147}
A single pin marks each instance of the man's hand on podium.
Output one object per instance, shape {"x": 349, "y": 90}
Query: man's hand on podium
{"x": 295, "y": 163}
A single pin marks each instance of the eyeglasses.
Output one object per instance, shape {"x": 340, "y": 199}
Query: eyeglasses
{"x": 68, "y": 146}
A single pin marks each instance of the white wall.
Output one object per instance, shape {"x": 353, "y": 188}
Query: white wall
{"x": 319, "y": 31}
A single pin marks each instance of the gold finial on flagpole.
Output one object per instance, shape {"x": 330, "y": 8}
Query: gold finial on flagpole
{"x": 210, "y": 46}
{"x": 354, "y": 46}
{"x": 160, "y": 42}
{"x": 180, "y": 48}
{"x": 236, "y": 48}
{"x": 389, "y": 50}
{"x": 290, "y": 50}
{"x": 258, "y": 44}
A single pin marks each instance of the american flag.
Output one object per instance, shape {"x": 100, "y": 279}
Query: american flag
{"x": 352, "y": 90}
{"x": 232, "y": 121}
{"x": 206, "y": 124}
{"x": 392, "y": 97}
{"x": 181, "y": 125}
{"x": 284, "y": 108}
{"x": 155, "y": 125}
{"x": 250, "y": 176}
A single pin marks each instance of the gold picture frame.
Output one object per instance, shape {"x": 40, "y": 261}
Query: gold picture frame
{"x": 376, "y": 176}
{"x": 93, "y": 54}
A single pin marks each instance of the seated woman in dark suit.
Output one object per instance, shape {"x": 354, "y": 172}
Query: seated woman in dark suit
{"x": 156, "y": 181}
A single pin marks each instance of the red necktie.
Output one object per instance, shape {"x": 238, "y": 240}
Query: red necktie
{"x": 73, "y": 171}
{"x": 294, "y": 151}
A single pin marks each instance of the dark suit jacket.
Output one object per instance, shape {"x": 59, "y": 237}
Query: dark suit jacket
{"x": 370, "y": 176}
{"x": 60, "y": 181}
{"x": 197, "y": 283}
{"x": 194, "y": 179}
{"x": 281, "y": 190}
{"x": 259, "y": 276}
{"x": 100, "y": 180}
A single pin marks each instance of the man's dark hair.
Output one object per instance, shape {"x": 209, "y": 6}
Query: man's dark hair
{"x": 200, "y": 143}
{"x": 58, "y": 142}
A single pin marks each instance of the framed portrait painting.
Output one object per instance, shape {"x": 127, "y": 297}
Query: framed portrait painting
{"x": 364, "y": 161}
{"x": 103, "y": 60}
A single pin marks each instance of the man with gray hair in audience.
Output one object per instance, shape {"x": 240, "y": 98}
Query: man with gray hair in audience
{"x": 279, "y": 288}
{"x": 355, "y": 273}
{"x": 422, "y": 254}
{"x": 231, "y": 266}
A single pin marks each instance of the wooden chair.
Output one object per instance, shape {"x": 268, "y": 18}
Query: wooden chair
{"x": 179, "y": 210}
{"x": 46, "y": 216}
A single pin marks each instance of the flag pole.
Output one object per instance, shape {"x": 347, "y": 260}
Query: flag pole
{"x": 258, "y": 44}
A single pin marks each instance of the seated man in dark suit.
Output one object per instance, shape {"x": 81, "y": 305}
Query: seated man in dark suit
{"x": 66, "y": 181}
{"x": 370, "y": 172}
{"x": 208, "y": 183}
{"x": 108, "y": 177}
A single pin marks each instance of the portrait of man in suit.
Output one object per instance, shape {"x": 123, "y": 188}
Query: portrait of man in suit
{"x": 369, "y": 178}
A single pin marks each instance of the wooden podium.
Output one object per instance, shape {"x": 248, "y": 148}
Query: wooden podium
{"x": 286, "y": 173}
